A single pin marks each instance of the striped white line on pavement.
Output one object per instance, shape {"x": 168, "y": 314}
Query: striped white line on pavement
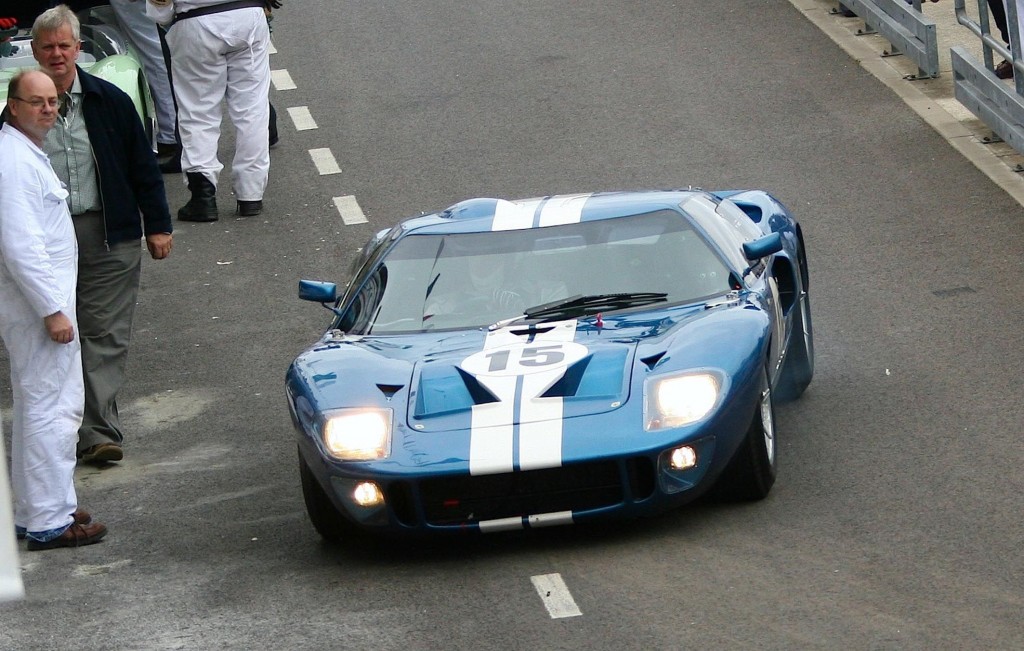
{"x": 349, "y": 210}
{"x": 282, "y": 80}
{"x": 555, "y": 595}
{"x": 302, "y": 118}
{"x": 272, "y": 50}
{"x": 324, "y": 161}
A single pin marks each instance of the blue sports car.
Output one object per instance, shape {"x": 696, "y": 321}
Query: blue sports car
{"x": 516, "y": 364}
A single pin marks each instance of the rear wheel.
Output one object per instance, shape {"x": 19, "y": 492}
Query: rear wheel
{"x": 751, "y": 472}
{"x": 329, "y": 523}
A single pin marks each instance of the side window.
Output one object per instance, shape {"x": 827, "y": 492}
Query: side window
{"x": 361, "y": 311}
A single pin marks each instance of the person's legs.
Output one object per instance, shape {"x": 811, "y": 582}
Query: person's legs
{"x": 248, "y": 90}
{"x": 199, "y": 73}
{"x": 46, "y": 379}
{"x": 108, "y": 286}
{"x": 142, "y": 32}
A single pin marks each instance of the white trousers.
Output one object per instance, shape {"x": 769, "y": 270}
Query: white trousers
{"x": 49, "y": 397}
{"x": 141, "y": 31}
{"x": 218, "y": 57}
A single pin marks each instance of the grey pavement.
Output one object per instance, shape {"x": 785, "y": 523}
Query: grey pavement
{"x": 932, "y": 99}
{"x": 895, "y": 522}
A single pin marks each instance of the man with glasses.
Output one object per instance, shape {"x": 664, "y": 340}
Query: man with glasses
{"x": 38, "y": 266}
{"x": 99, "y": 149}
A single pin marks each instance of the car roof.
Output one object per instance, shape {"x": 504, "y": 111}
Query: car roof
{"x": 489, "y": 214}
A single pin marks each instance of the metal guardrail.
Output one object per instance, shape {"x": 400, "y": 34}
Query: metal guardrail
{"x": 908, "y": 31}
{"x": 975, "y": 85}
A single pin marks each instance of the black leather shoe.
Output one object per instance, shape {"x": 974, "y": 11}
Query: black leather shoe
{"x": 202, "y": 207}
{"x": 249, "y": 208}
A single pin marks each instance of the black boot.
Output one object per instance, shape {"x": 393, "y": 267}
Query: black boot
{"x": 249, "y": 208}
{"x": 202, "y": 207}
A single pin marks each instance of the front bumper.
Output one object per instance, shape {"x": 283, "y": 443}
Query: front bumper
{"x": 628, "y": 486}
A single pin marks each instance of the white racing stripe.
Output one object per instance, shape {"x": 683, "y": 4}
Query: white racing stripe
{"x": 540, "y": 428}
{"x": 563, "y": 209}
{"x": 555, "y": 595}
{"x": 510, "y": 216}
{"x": 492, "y": 442}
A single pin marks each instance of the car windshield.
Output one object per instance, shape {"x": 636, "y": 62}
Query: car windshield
{"x": 464, "y": 280}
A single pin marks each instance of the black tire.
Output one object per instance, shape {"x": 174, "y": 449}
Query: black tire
{"x": 329, "y": 523}
{"x": 751, "y": 472}
{"x": 798, "y": 369}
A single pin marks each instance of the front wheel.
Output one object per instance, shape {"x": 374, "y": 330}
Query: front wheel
{"x": 751, "y": 472}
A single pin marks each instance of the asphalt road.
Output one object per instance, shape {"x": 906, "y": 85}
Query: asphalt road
{"x": 896, "y": 520}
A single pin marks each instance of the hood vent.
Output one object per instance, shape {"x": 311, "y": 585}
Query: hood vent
{"x": 652, "y": 360}
{"x": 569, "y": 384}
{"x": 389, "y": 390}
{"x": 480, "y": 394}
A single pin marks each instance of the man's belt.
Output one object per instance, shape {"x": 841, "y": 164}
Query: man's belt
{"x": 216, "y": 9}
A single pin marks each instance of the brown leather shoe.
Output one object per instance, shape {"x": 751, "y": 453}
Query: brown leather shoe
{"x": 80, "y": 516}
{"x": 77, "y": 535}
{"x": 102, "y": 453}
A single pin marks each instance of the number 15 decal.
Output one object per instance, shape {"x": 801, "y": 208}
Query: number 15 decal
{"x": 520, "y": 359}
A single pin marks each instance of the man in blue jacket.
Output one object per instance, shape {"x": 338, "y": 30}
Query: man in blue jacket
{"x": 99, "y": 150}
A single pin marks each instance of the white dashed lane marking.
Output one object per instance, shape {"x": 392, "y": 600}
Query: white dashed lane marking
{"x": 282, "y": 80}
{"x": 555, "y": 595}
{"x": 302, "y": 118}
{"x": 347, "y": 206}
{"x": 324, "y": 161}
{"x": 349, "y": 210}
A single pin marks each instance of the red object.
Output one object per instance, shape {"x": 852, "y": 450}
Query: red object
{"x": 600, "y": 322}
{"x": 7, "y": 23}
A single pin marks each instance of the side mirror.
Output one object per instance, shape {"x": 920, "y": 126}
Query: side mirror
{"x": 762, "y": 247}
{"x": 317, "y": 291}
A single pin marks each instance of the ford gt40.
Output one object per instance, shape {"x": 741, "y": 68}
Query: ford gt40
{"x": 505, "y": 365}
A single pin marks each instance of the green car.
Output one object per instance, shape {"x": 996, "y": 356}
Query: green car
{"x": 106, "y": 53}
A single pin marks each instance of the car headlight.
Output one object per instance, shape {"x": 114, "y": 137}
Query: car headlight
{"x": 358, "y": 434}
{"x": 679, "y": 400}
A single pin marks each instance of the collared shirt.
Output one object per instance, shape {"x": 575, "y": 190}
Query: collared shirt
{"x": 67, "y": 145}
{"x": 38, "y": 249}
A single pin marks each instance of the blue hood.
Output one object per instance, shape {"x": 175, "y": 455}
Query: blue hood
{"x": 433, "y": 380}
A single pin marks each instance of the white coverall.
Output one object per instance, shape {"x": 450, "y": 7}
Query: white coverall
{"x": 141, "y": 31}
{"x": 217, "y": 57}
{"x": 38, "y": 271}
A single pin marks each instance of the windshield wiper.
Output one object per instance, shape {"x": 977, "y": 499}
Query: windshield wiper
{"x": 577, "y": 306}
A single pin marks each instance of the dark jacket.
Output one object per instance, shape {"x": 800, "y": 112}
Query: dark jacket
{"x": 130, "y": 179}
